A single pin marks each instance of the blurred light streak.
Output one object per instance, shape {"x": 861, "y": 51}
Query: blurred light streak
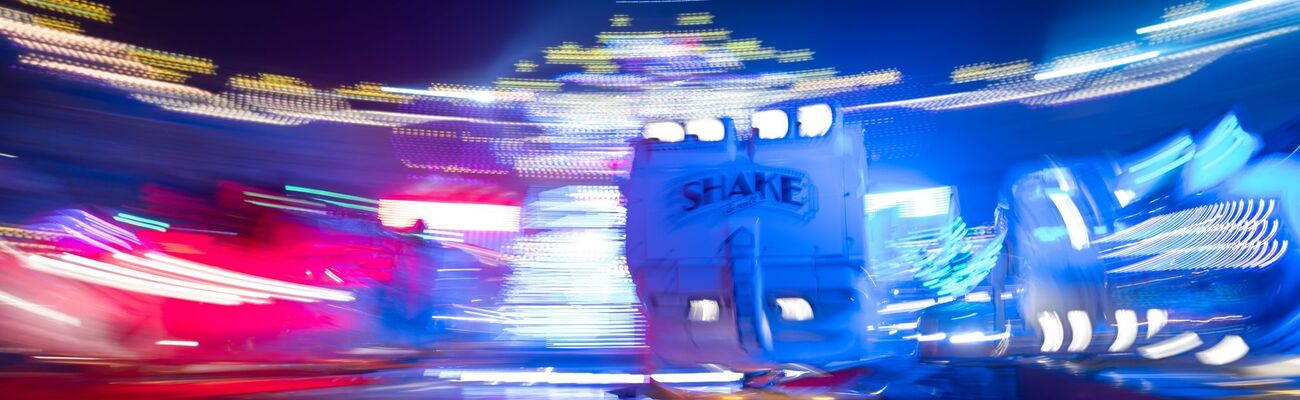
{"x": 1126, "y": 330}
{"x": 706, "y": 129}
{"x": 989, "y": 71}
{"x": 141, "y": 222}
{"x": 794, "y": 308}
{"x": 105, "y": 275}
{"x": 814, "y": 120}
{"x": 1053, "y": 333}
{"x": 1206, "y": 16}
{"x": 1156, "y": 320}
{"x": 913, "y": 305}
{"x": 664, "y": 131}
{"x": 1235, "y": 234}
{"x": 1173, "y": 149}
{"x": 479, "y": 96}
{"x": 284, "y": 207}
{"x": 449, "y": 216}
{"x": 933, "y": 337}
{"x": 77, "y": 8}
{"x": 273, "y": 287}
{"x": 180, "y": 343}
{"x": 1124, "y": 197}
{"x": 548, "y": 375}
{"x": 1075, "y": 228}
{"x": 1229, "y": 349}
{"x": 1075, "y": 70}
{"x": 1220, "y": 154}
{"x": 11, "y": 300}
{"x": 771, "y": 124}
{"x": 899, "y": 326}
{"x": 1173, "y": 346}
{"x": 703, "y": 310}
{"x": 300, "y": 189}
{"x": 570, "y": 286}
{"x": 1080, "y": 330}
{"x": 978, "y": 337}
{"x": 912, "y": 203}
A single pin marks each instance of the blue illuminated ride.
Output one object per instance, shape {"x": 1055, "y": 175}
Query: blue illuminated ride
{"x": 748, "y": 252}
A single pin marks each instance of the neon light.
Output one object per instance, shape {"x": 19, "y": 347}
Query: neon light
{"x": 160, "y": 224}
{"x": 327, "y": 193}
{"x": 106, "y": 277}
{"x": 284, "y": 207}
{"x": 912, "y": 203}
{"x": 181, "y": 343}
{"x": 1170, "y": 150}
{"x": 1206, "y": 16}
{"x": 349, "y": 205}
{"x": 1095, "y": 66}
{"x": 449, "y": 216}
{"x": 141, "y": 224}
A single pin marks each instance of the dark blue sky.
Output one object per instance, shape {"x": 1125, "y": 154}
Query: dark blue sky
{"x": 472, "y": 42}
{"x": 97, "y": 141}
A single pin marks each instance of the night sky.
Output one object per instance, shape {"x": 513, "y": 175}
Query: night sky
{"x": 99, "y": 142}
{"x": 472, "y": 42}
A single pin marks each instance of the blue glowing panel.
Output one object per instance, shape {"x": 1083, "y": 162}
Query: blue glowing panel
{"x": 1220, "y": 154}
{"x": 917, "y": 203}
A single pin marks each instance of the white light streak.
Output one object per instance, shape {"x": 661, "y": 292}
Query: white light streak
{"x": 1173, "y": 346}
{"x": 976, "y": 337}
{"x": 180, "y": 343}
{"x": 11, "y": 300}
{"x": 1127, "y": 329}
{"x": 449, "y": 216}
{"x": 794, "y": 309}
{"x": 1206, "y": 16}
{"x": 1080, "y": 330}
{"x": 481, "y": 96}
{"x": 1156, "y": 320}
{"x": 552, "y": 377}
{"x": 664, "y": 131}
{"x": 933, "y": 337}
{"x": 917, "y": 203}
{"x": 1057, "y": 73}
{"x": 706, "y": 129}
{"x": 1053, "y": 332}
{"x": 814, "y": 120}
{"x": 771, "y": 124}
{"x": 1075, "y": 228}
{"x": 704, "y": 310}
{"x": 1229, "y": 349}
